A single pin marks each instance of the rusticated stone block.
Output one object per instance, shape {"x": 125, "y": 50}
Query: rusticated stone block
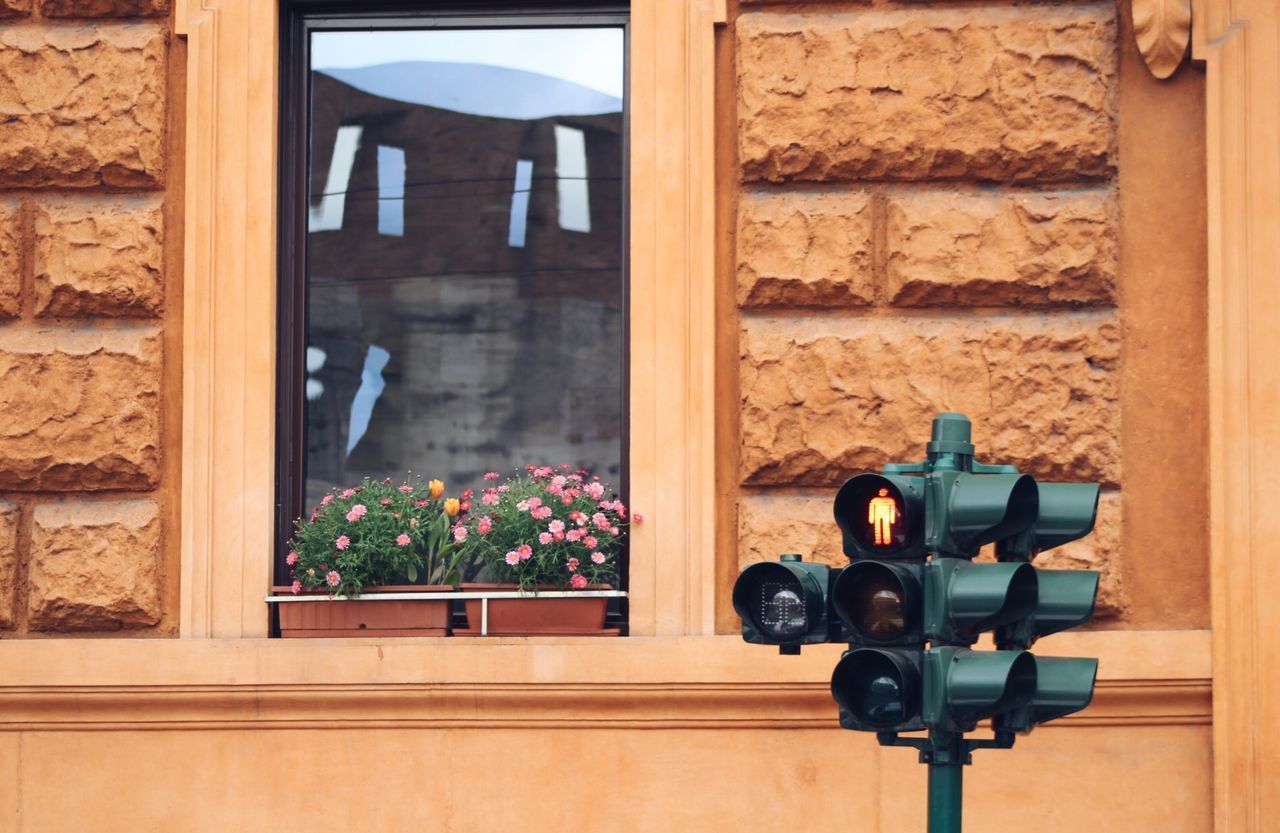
{"x": 770, "y": 525}
{"x": 10, "y": 259}
{"x": 94, "y": 565}
{"x": 824, "y": 399}
{"x": 14, "y": 8}
{"x": 84, "y": 105}
{"x": 9, "y": 519}
{"x": 103, "y": 8}
{"x": 804, "y": 250}
{"x": 79, "y": 409}
{"x": 99, "y": 256}
{"x": 976, "y": 249}
{"x": 1005, "y": 94}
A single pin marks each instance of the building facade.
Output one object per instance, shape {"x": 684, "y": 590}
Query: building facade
{"x": 843, "y": 218}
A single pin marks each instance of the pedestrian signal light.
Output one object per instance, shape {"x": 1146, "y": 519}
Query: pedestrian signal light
{"x": 784, "y": 603}
{"x": 881, "y": 516}
{"x": 877, "y": 690}
{"x": 879, "y": 602}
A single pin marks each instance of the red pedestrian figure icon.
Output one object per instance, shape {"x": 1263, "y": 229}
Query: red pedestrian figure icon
{"x": 882, "y": 514}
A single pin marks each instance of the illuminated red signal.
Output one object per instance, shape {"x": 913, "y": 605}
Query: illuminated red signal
{"x": 882, "y": 514}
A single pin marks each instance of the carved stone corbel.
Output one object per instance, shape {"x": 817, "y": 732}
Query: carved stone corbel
{"x": 1162, "y": 29}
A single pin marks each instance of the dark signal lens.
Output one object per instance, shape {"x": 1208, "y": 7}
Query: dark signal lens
{"x": 782, "y": 609}
{"x": 876, "y": 599}
{"x": 873, "y": 688}
{"x": 881, "y": 609}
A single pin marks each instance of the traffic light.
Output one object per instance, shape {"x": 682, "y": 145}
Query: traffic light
{"x": 879, "y": 600}
{"x": 1066, "y": 598}
{"x": 785, "y": 603}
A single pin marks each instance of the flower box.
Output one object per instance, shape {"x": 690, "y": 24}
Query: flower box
{"x": 317, "y": 614}
{"x": 558, "y": 614}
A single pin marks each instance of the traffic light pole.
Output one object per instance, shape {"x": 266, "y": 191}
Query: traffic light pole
{"x": 947, "y": 754}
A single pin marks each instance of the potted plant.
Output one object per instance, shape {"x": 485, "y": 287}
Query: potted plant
{"x": 546, "y": 529}
{"x": 366, "y": 540}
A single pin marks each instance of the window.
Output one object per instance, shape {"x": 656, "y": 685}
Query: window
{"x": 453, "y": 272}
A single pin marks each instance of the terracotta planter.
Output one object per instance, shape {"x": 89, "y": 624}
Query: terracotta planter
{"x": 538, "y": 616}
{"x": 363, "y": 617}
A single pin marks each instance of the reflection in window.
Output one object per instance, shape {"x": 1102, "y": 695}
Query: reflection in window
{"x": 465, "y": 258}
{"x": 327, "y": 216}
{"x": 390, "y": 191}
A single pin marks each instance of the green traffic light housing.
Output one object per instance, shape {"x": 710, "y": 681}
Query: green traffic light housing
{"x": 1067, "y": 512}
{"x": 878, "y": 690}
{"x": 963, "y": 686}
{"x": 881, "y": 516}
{"x": 963, "y": 599}
{"x": 1063, "y": 686}
{"x": 1066, "y": 599}
{"x": 980, "y": 509}
{"x": 784, "y": 603}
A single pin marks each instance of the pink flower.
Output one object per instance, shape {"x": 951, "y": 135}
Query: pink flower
{"x": 600, "y": 520}
{"x": 357, "y": 512}
{"x": 595, "y": 490}
{"x": 333, "y": 578}
{"x": 566, "y": 500}
{"x": 578, "y": 518}
{"x": 597, "y": 557}
{"x": 613, "y": 530}
{"x": 291, "y": 558}
{"x": 637, "y": 519}
{"x": 491, "y": 475}
{"x": 386, "y": 501}
{"x": 524, "y": 551}
{"x": 406, "y": 488}
{"x": 572, "y": 565}
{"x": 535, "y": 502}
{"x": 402, "y": 540}
{"x": 559, "y": 536}
{"x": 544, "y": 538}
{"x": 348, "y": 492}
{"x": 503, "y": 488}
{"x": 459, "y": 533}
{"x": 573, "y": 534}
{"x": 343, "y": 542}
{"x": 542, "y": 513}
{"x": 484, "y": 525}
{"x": 590, "y": 542}
{"x": 523, "y": 506}
{"x": 578, "y": 581}
{"x": 295, "y": 588}
{"x": 511, "y": 558}
{"x": 556, "y": 526}
{"x": 558, "y": 481}
{"x": 326, "y": 500}
{"x": 490, "y": 497}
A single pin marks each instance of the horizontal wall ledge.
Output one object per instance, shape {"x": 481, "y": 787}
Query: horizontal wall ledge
{"x": 574, "y": 683}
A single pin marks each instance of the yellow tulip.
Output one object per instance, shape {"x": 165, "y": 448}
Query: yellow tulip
{"x": 451, "y": 507}
{"x": 436, "y": 488}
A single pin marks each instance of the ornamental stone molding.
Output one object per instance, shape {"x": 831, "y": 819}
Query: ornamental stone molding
{"x": 1162, "y": 29}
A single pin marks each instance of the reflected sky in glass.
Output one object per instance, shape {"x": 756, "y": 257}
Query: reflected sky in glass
{"x": 587, "y": 57}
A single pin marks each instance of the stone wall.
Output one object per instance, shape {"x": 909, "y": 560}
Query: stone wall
{"x": 927, "y": 219}
{"x": 86, "y": 297}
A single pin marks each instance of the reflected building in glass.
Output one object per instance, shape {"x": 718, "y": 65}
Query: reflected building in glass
{"x": 465, "y": 273}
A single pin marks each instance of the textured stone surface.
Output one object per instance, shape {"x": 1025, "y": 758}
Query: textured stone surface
{"x": 9, "y": 518}
{"x": 823, "y": 399}
{"x": 804, "y": 250}
{"x": 79, "y": 409}
{"x": 1010, "y": 94}
{"x": 10, "y": 259}
{"x": 14, "y": 8}
{"x": 962, "y": 248}
{"x": 770, "y": 525}
{"x": 94, "y": 565}
{"x": 83, "y": 105}
{"x": 103, "y": 8}
{"x": 99, "y": 256}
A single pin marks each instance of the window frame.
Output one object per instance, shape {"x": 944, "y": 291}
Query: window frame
{"x": 230, "y": 138}
{"x": 299, "y": 18}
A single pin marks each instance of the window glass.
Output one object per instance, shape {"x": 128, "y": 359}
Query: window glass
{"x": 465, "y": 253}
